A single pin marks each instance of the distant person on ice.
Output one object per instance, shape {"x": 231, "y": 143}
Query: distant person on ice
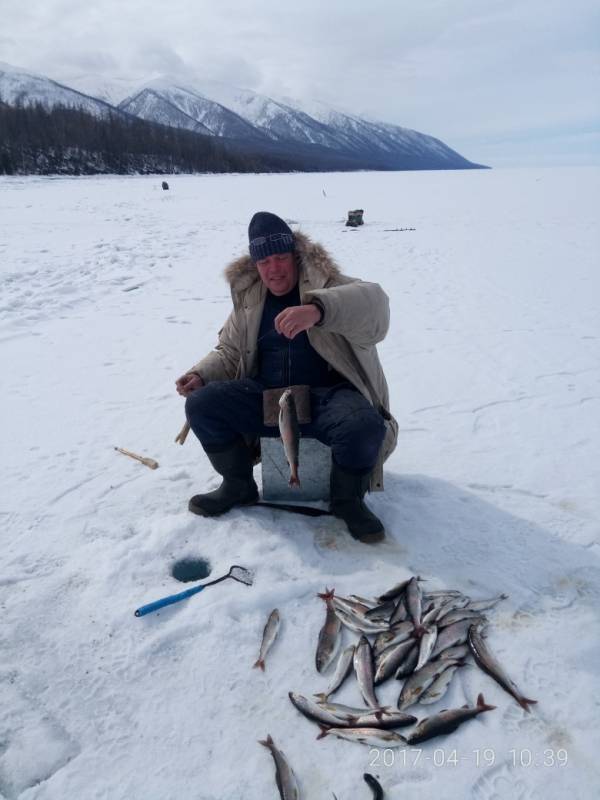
{"x": 295, "y": 320}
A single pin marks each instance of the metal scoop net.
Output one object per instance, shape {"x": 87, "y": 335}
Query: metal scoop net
{"x": 241, "y": 574}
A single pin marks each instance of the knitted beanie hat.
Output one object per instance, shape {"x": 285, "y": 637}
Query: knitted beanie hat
{"x": 269, "y": 234}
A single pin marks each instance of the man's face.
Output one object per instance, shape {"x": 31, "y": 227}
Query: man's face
{"x": 278, "y": 272}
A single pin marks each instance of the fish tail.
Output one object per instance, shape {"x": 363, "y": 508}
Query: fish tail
{"x": 321, "y": 697}
{"x": 482, "y": 705}
{"x": 266, "y": 742}
{"x": 260, "y": 663}
{"x": 525, "y": 702}
{"x": 324, "y": 731}
{"x": 294, "y": 480}
{"x": 327, "y": 594}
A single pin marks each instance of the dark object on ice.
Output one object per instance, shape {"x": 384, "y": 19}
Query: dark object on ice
{"x": 307, "y": 511}
{"x": 234, "y": 464}
{"x": 347, "y": 493}
{"x": 165, "y": 185}
{"x": 190, "y": 569}
{"x": 374, "y": 786}
{"x": 355, "y": 218}
{"x": 240, "y": 574}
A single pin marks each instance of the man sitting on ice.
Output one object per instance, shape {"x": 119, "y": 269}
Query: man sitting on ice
{"x": 295, "y": 320}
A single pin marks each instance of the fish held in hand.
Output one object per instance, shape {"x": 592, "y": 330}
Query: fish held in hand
{"x": 269, "y": 635}
{"x": 290, "y": 433}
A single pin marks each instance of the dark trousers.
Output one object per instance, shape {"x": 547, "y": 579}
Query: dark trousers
{"x": 341, "y": 419}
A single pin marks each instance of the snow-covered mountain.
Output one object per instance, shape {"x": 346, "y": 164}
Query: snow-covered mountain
{"x": 181, "y": 107}
{"x": 249, "y": 118}
{"x": 20, "y": 87}
{"x": 288, "y": 121}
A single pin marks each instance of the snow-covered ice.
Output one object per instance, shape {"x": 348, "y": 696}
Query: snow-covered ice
{"x": 111, "y": 288}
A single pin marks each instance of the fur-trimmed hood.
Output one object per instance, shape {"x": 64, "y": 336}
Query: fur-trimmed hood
{"x": 316, "y": 267}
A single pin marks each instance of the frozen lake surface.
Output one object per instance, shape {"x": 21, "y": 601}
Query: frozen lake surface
{"x": 111, "y": 289}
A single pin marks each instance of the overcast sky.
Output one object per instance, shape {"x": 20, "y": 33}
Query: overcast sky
{"x": 504, "y": 82}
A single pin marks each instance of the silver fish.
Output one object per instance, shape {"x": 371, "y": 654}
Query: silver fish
{"x": 386, "y": 717}
{"x": 363, "y": 600}
{"x": 457, "y": 615}
{"x": 388, "y": 661}
{"x": 489, "y": 664}
{"x": 430, "y": 615}
{"x": 484, "y": 605}
{"x": 460, "y": 651}
{"x": 316, "y": 711}
{"x": 439, "y": 687}
{"x": 399, "y": 633}
{"x": 350, "y": 712}
{"x": 329, "y": 635}
{"x": 451, "y": 636}
{"x": 420, "y": 681}
{"x": 400, "y": 613}
{"x": 375, "y": 737}
{"x": 351, "y": 605}
{"x": 396, "y": 590}
{"x": 447, "y": 721}
{"x": 450, "y": 604}
{"x": 269, "y": 635}
{"x": 414, "y": 604}
{"x": 363, "y": 666}
{"x": 342, "y": 670}
{"x": 284, "y": 775}
{"x": 359, "y": 624}
{"x": 290, "y": 433}
{"x": 444, "y": 594}
{"x": 426, "y": 645}
{"x": 407, "y": 667}
{"x": 381, "y": 613}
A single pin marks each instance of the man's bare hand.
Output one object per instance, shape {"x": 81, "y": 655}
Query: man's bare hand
{"x": 295, "y": 319}
{"x": 188, "y": 383}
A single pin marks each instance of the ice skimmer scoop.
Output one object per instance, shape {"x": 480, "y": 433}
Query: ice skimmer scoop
{"x": 236, "y": 572}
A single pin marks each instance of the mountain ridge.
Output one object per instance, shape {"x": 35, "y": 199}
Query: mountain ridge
{"x": 249, "y": 118}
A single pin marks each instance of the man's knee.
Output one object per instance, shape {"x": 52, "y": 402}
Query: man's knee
{"x": 358, "y": 438}
{"x": 199, "y": 403}
{"x": 366, "y": 424}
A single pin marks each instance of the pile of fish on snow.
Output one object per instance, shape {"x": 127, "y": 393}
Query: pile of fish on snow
{"x": 419, "y": 637}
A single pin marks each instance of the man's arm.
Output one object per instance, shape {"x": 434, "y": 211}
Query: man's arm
{"x": 358, "y": 310}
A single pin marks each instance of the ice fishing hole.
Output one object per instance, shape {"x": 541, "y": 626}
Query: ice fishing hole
{"x": 190, "y": 569}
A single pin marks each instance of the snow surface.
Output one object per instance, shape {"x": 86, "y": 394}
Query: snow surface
{"x": 111, "y": 288}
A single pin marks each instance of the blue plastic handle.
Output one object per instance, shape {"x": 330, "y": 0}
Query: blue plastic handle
{"x": 167, "y": 601}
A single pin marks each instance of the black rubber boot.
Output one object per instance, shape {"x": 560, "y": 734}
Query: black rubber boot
{"x": 346, "y": 502}
{"x": 238, "y": 487}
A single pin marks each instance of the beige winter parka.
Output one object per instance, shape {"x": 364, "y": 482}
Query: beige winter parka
{"x": 356, "y": 318}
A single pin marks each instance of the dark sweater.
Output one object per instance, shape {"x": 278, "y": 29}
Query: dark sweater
{"x": 284, "y": 362}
